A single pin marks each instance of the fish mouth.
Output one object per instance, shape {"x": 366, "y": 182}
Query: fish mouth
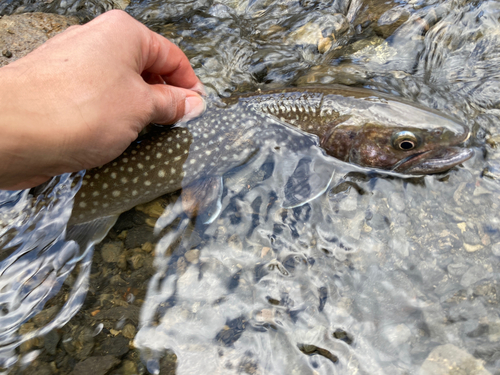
{"x": 433, "y": 161}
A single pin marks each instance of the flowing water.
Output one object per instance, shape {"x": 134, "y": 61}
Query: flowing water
{"x": 378, "y": 275}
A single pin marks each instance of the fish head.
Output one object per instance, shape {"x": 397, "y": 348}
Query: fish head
{"x": 402, "y": 149}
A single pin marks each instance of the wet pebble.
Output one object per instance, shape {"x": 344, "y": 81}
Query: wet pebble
{"x": 450, "y": 360}
{"x": 50, "y": 342}
{"x": 129, "y": 331}
{"x": 495, "y": 249}
{"x": 113, "y": 345}
{"x": 192, "y": 256}
{"x": 138, "y": 235}
{"x": 111, "y": 251}
{"x": 390, "y": 21}
{"x": 136, "y": 261}
{"x": 96, "y": 365}
{"x": 473, "y": 275}
{"x": 79, "y": 343}
{"x": 457, "y": 269}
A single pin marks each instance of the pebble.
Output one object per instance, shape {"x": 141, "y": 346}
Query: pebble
{"x": 473, "y": 275}
{"x": 147, "y": 247}
{"x": 451, "y": 360}
{"x": 129, "y": 331}
{"x": 111, "y": 251}
{"x": 96, "y": 365}
{"x": 495, "y": 249}
{"x": 137, "y": 261}
{"x": 129, "y": 368}
{"x": 192, "y": 256}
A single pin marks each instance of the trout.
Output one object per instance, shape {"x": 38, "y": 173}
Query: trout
{"x": 358, "y": 126}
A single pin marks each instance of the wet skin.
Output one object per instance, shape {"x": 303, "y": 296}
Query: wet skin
{"x": 354, "y": 125}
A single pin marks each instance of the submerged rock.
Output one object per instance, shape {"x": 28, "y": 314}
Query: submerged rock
{"x": 451, "y": 360}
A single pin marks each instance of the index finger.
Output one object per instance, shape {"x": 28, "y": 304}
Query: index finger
{"x": 162, "y": 57}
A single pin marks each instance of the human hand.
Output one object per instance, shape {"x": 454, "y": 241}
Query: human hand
{"x": 81, "y": 98}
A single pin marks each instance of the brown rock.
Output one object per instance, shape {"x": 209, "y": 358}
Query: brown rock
{"x": 96, "y": 365}
{"x": 22, "y": 33}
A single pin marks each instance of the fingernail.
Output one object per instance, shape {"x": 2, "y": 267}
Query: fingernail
{"x": 193, "y": 107}
{"x": 199, "y": 88}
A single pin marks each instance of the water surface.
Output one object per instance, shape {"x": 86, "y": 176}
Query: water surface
{"x": 369, "y": 278}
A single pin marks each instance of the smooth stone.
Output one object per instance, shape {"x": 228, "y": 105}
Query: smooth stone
{"x": 451, "y": 360}
{"x": 96, "y": 365}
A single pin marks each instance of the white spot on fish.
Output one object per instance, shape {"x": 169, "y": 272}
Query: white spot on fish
{"x": 96, "y": 176}
{"x": 161, "y": 173}
{"x": 84, "y": 182}
{"x": 122, "y": 169}
{"x": 125, "y": 160}
{"x": 135, "y": 180}
{"x": 148, "y": 147}
{"x": 169, "y": 151}
{"x": 130, "y": 169}
{"x": 134, "y": 193}
{"x": 147, "y": 182}
{"x": 105, "y": 186}
{"x": 148, "y": 157}
{"x": 116, "y": 193}
{"x": 82, "y": 204}
{"x": 82, "y": 195}
{"x": 172, "y": 171}
{"x": 140, "y": 166}
{"x": 106, "y": 170}
{"x": 105, "y": 205}
{"x": 124, "y": 180}
{"x": 95, "y": 193}
{"x": 158, "y": 155}
{"x": 93, "y": 211}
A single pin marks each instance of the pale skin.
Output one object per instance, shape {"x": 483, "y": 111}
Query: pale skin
{"x": 81, "y": 98}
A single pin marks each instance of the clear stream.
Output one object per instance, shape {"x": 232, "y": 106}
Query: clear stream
{"x": 372, "y": 277}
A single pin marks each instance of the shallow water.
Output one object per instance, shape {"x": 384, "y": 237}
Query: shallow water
{"x": 368, "y": 278}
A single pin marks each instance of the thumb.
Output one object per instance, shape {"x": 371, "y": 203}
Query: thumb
{"x": 171, "y": 104}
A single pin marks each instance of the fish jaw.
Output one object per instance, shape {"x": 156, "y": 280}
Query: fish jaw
{"x": 436, "y": 161}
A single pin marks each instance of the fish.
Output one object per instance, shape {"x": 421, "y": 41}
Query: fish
{"x": 359, "y": 126}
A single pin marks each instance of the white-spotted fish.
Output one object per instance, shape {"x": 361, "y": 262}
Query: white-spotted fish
{"x": 355, "y": 125}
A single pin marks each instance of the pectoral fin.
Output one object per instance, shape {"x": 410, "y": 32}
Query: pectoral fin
{"x": 310, "y": 179}
{"x": 202, "y": 199}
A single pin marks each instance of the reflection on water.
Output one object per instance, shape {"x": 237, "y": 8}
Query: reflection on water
{"x": 379, "y": 275}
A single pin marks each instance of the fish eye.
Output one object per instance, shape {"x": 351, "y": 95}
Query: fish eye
{"x": 405, "y": 141}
